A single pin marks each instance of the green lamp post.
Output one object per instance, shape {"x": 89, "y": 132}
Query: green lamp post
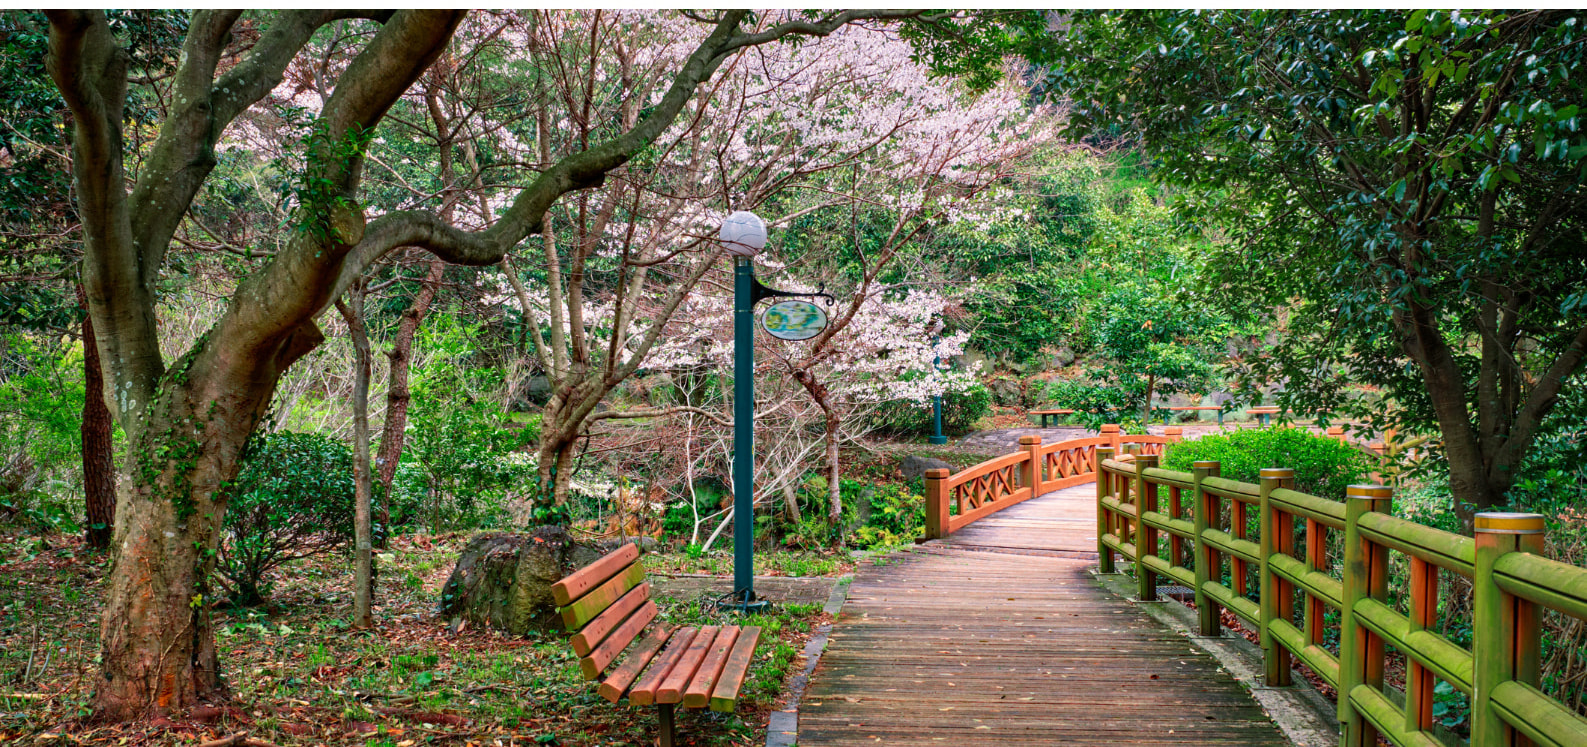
{"x": 743, "y": 235}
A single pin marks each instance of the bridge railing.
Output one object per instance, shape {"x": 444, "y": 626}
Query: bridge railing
{"x": 954, "y": 500}
{"x": 1277, "y": 539}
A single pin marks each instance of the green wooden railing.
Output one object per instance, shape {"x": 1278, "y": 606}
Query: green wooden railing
{"x": 1209, "y": 523}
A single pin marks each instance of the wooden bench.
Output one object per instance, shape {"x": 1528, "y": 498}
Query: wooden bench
{"x": 1264, "y": 413}
{"x": 607, "y": 607}
{"x": 1187, "y": 408}
{"x": 1044, "y": 414}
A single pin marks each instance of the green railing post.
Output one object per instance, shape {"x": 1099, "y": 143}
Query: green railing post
{"x": 1506, "y": 631}
{"x": 1278, "y": 536}
{"x": 1365, "y": 576}
{"x": 1207, "y": 563}
{"x": 1145, "y": 536}
{"x": 1104, "y": 483}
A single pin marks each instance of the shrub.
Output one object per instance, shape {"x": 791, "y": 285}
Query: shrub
{"x": 292, "y": 499}
{"x": 1094, "y": 404}
{"x": 897, "y": 516}
{"x": 1323, "y": 467}
{"x": 960, "y": 410}
{"x": 470, "y": 461}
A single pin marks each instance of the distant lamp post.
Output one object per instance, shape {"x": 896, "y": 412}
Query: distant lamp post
{"x": 743, "y": 234}
{"x": 936, "y": 399}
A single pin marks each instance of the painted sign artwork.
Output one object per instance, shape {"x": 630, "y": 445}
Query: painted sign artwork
{"x": 794, "y": 320}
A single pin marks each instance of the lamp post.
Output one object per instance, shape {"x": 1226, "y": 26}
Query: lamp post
{"x": 743, "y": 235}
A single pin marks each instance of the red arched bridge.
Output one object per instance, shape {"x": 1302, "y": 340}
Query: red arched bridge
{"x": 995, "y": 631}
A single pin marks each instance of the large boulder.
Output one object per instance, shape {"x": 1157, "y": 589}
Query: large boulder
{"x": 1007, "y": 391}
{"x": 914, "y": 467}
{"x": 503, "y": 579}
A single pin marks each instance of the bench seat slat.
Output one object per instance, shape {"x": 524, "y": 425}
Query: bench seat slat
{"x": 671, "y": 690}
{"x": 578, "y": 583}
{"x": 644, "y": 691}
{"x": 585, "y": 608}
{"x": 604, "y": 654}
{"x": 724, "y": 697}
{"x": 698, "y": 694}
{"x": 618, "y": 680}
{"x": 602, "y": 626}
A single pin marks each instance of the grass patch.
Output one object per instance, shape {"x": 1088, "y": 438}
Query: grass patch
{"x": 302, "y": 676}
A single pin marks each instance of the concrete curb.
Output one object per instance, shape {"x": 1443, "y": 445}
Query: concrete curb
{"x": 1306, "y": 717}
{"x": 782, "y": 728}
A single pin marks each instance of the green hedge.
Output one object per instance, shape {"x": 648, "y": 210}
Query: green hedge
{"x": 1323, "y": 466}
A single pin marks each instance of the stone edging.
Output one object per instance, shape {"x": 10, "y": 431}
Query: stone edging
{"x": 782, "y": 728}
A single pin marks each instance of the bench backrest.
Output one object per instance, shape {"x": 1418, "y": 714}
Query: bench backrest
{"x": 606, "y": 605}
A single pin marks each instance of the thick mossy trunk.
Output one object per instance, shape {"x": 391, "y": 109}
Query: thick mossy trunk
{"x": 157, "y": 644}
{"x": 503, "y": 580}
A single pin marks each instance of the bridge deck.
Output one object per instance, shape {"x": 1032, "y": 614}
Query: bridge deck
{"x": 1000, "y": 636}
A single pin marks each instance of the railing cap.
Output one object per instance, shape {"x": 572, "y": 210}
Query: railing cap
{"x": 1173, "y": 430}
{"x": 1369, "y": 492}
{"x": 1029, "y": 440}
{"x": 1275, "y": 473}
{"x": 1206, "y": 464}
{"x": 1500, "y": 522}
{"x": 1110, "y": 428}
{"x": 938, "y": 473}
{"x": 1149, "y": 460}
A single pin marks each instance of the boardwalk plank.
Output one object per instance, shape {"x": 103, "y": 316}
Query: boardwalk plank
{"x": 999, "y": 636}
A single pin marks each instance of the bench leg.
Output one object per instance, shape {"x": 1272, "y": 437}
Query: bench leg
{"x": 664, "y": 717}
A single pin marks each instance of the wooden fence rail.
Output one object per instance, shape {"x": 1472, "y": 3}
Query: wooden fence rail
{"x": 955, "y": 500}
{"x": 1207, "y": 519}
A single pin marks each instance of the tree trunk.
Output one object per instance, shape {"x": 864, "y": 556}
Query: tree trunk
{"x": 834, "y": 490}
{"x": 1151, "y": 385}
{"x": 157, "y": 644}
{"x": 832, "y": 422}
{"x": 1471, "y": 483}
{"x": 790, "y": 499}
{"x": 398, "y": 393}
{"x": 363, "y": 561}
{"x": 99, "y": 470}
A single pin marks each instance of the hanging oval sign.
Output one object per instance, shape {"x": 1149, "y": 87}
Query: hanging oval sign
{"x": 794, "y": 320}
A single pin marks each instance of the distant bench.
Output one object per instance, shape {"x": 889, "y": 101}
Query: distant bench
{"x": 1045, "y": 414}
{"x": 1264, "y": 413}
{"x": 1198, "y": 407}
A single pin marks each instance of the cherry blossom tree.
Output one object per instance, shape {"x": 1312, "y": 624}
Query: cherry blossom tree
{"x": 186, "y": 421}
{"x": 792, "y": 130}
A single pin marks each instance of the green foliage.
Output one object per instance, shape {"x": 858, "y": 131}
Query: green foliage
{"x": 292, "y": 499}
{"x": 469, "y": 461}
{"x": 960, "y": 410}
{"x": 977, "y": 46}
{"x": 1401, "y": 189}
{"x": 41, "y": 404}
{"x": 1553, "y": 478}
{"x": 317, "y": 195}
{"x": 1094, "y": 404}
{"x": 874, "y": 515}
{"x": 1323, "y": 466}
{"x": 897, "y": 516}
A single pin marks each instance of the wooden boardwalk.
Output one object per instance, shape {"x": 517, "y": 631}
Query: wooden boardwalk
{"x": 1000, "y": 636}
